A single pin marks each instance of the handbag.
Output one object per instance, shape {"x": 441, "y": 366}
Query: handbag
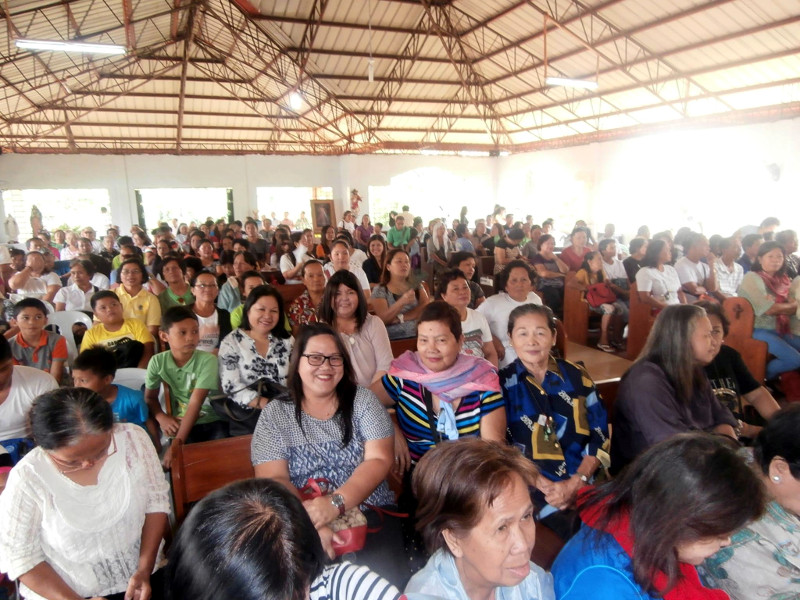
{"x": 242, "y": 420}
{"x": 600, "y": 293}
{"x": 351, "y": 527}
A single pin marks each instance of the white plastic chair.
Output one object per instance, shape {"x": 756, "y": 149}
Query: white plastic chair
{"x": 134, "y": 378}
{"x": 64, "y": 320}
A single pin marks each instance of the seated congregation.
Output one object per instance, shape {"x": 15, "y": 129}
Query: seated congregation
{"x": 368, "y": 421}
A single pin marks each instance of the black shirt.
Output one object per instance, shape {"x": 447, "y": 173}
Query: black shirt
{"x": 730, "y": 379}
{"x": 632, "y": 266}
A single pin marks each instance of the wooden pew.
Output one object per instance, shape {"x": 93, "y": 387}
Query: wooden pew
{"x": 640, "y": 322}
{"x": 576, "y": 313}
{"x": 199, "y": 469}
{"x": 740, "y": 336}
{"x": 400, "y": 346}
{"x": 289, "y": 292}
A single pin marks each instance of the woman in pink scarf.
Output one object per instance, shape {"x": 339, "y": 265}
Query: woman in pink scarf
{"x": 774, "y": 300}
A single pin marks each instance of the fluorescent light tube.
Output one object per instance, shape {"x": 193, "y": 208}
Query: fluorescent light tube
{"x": 61, "y": 46}
{"x": 574, "y": 83}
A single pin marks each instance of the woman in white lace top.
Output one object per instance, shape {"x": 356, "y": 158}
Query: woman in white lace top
{"x": 84, "y": 513}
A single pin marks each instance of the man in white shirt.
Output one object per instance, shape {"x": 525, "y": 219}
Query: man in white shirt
{"x": 613, "y": 269}
{"x": 19, "y": 387}
{"x": 697, "y": 278}
{"x": 729, "y": 272}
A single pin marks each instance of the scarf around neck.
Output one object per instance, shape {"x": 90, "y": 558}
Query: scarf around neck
{"x": 468, "y": 374}
{"x": 688, "y": 586}
{"x": 779, "y": 287}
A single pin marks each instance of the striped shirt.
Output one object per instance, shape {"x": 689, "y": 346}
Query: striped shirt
{"x": 346, "y": 581}
{"x": 412, "y": 415}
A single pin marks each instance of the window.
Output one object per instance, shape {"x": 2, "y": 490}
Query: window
{"x": 290, "y": 204}
{"x": 183, "y": 205}
{"x": 58, "y": 209}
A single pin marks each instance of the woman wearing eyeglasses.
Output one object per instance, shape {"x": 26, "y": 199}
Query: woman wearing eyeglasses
{"x": 84, "y": 513}
{"x": 215, "y": 323}
{"x": 333, "y": 429}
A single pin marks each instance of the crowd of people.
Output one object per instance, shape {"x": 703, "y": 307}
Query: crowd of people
{"x": 490, "y": 432}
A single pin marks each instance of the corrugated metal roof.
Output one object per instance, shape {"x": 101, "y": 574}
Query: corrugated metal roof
{"x": 217, "y": 75}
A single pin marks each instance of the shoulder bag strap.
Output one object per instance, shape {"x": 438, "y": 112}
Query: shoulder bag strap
{"x": 428, "y": 398}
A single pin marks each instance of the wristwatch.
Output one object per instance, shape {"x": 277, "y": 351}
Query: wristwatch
{"x": 338, "y": 501}
{"x": 400, "y": 318}
{"x": 583, "y": 478}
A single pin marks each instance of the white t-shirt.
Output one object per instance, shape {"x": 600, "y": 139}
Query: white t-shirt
{"x": 286, "y": 265}
{"x": 692, "y": 272}
{"x": 664, "y": 285}
{"x": 209, "y": 332}
{"x": 101, "y": 281}
{"x": 476, "y": 333}
{"x": 615, "y": 270}
{"x": 75, "y": 298}
{"x": 357, "y": 271}
{"x": 26, "y": 384}
{"x": 496, "y": 310}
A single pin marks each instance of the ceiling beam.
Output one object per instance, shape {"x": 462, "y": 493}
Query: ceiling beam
{"x": 338, "y": 24}
{"x": 188, "y": 38}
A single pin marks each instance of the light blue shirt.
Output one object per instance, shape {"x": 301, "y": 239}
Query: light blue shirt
{"x": 439, "y": 580}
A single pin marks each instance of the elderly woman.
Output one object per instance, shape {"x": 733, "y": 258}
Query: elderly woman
{"x": 137, "y": 301}
{"x": 85, "y": 511}
{"x": 78, "y": 294}
{"x": 253, "y": 540}
{"x": 344, "y": 308}
{"x": 257, "y": 350}
{"x": 439, "y": 248}
{"x": 679, "y": 397}
{"x": 440, "y": 393}
{"x": 733, "y": 384}
{"x": 397, "y": 300}
{"x": 303, "y": 309}
{"x": 554, "y": 415}
{"x": 646, "y": 531}
{"x": 332, "y": 428}
{"x": 514, "y": 285}
{"x": 775, "y": 299}
{"x": 761, "y": 561}
{"x": 476, "y": 517}
{"x": 657, "y": 282}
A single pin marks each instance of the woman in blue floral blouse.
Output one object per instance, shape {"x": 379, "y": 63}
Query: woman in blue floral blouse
{"x": 555, "y": 416}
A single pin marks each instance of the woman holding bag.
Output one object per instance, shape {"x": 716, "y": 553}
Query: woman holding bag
{"x": 602, "y": 300}
{"x": 332, "y": 429}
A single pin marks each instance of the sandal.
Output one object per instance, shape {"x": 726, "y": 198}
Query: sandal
{"x": 605, "y": 348}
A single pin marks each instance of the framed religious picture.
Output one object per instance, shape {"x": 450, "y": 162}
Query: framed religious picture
{"x": 322, "y": 214}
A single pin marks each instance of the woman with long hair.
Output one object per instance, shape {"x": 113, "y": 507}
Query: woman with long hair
{"x": 376, "y": 259}
{"x": 657, "y": 282}
{"x": 345, "y": 309}
{"x": 775, "y": 299}
{"x": 397, "y": 300}
{"x": 552, "y": 272}
{"x": 363, "y": 233}
{"x": 612, "y": 310}
{"x": 647, "y": 530}
{"x": 327, "y": 236}
{"x": 333, "y": 429}
{"x": 679, "y": 397}
{"x": 287, "y": 259}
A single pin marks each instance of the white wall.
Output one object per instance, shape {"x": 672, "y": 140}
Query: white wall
{"x": 714, "y": 179}
{"x": 121, "y": 175}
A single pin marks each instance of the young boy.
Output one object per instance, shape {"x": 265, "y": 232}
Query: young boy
{"x": 33, "y": 346}
{"x": 190, "y": 375}
{"x": 95, "y": 369}
{"x": 128, "y": 339}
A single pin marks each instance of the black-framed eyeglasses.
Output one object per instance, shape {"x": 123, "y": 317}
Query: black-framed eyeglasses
{"x": 316, "y": 360}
